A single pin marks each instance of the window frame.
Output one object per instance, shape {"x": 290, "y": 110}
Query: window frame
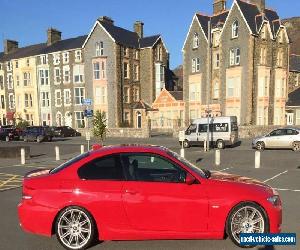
{"x": 235, "y": 29}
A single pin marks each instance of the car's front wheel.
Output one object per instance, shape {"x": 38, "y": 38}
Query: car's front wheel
{"x": 75, "y": 228}
{"x": 247, "y": 217}
{"x": 220, "y": 144}
{"x": 296, "y": 146}
{"x": 260, "y": 146}
{"x": 186, "y": 144}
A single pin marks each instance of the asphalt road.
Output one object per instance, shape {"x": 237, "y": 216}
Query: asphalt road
{"x": 279, "y": 168}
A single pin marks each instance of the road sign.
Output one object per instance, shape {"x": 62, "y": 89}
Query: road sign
{"x": 181, "y": 135}
{"x": 88, "y": 113}
{"x": 87, "y": 102}
{"x": 88, "y": 136}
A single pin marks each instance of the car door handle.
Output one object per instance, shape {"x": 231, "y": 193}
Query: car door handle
{"x": 132, "y": 192}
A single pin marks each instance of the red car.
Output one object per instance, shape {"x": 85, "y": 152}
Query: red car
{"x": 143, "y": 192}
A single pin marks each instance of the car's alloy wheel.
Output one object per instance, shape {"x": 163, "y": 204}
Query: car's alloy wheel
{"x": 260, "y": 145}
{"x": 220, "y": 144}
{"x": 75, "y": 228}
{"x": 296, "y": 146}
{"x": 186, "y": 144}
{"x": 246, "y": 218}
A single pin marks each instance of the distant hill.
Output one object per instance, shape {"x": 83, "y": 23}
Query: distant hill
{"x": 293, "y": 28}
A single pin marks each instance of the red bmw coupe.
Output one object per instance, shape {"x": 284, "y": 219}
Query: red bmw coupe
{"x": 132, "y": 192}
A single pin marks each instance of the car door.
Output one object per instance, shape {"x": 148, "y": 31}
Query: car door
{"x": 191, "y": 134}
{"x": 273, "y": 139}
{"x": 100, "y": 189}
{"x": 156, "y": 197}
{"x": 291, "y": 137}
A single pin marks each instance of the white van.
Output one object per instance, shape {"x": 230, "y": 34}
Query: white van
{"x": 223, "y": 131}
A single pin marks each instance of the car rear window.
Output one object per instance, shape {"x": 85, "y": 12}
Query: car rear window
{"x": 69, "y": 163}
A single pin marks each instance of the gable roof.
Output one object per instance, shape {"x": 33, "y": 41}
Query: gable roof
{"x": 42, "y": 48}
{"x": 148, "y": 41}
{"x": 295, "y": 63}
{"x": 294, "y": 98}
{"x": 142, "y": 105}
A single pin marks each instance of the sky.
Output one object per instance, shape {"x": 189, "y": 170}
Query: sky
{"x": 27, "y": 21}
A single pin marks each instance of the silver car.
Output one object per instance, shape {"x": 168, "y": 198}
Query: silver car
{"x": 279, "y": 138}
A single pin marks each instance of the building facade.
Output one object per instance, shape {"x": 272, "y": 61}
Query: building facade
{"x": 236, "y": 63}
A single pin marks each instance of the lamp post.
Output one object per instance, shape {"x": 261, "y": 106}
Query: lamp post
{"x": 208, "y": 110}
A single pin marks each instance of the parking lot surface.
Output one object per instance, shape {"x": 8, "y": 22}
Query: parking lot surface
{"x": 279, "y": 168}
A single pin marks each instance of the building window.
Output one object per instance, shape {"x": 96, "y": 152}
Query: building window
{"x": 44, "y": 76}
{"x": 235, "y": 57}
{"x": 195, "y": 65}
{"x": 216, "y": 38}
{"x": 264, "y": 32}
{"x": 136, "y": 55}
{"x": 79, "y": 118}
{"x": 279, "y": 116}
{"x": 136, "y": 72}
{"x": 44, "y": 59}
{"x": 45, "y": 99}
{"x": 126, "y": 52}
{"x": 18, "y": 80}
{"x": 78, "y": 56}
{"x": 66, "y": 70}
{"x": 2, "y": 102}
{"x": 195, "y": 92}
{"x": 59, "y": 119}
{"x": 235, "y": 29}
{"x": 217, "y": 60}
{"x": 159, "y": 53}
{"x": 79, "y": 96}
{"x": 57, "y": 75}
{"x": 56, "y": 59}
{"x": 126, "y": 94}
{"x": 26, "y": 79}
{"x": 9, "y": 66}
{"x": 28, "y": 100}
{"x": 126, "y": 70}
{"x": 10, "y": 81}
{"x": 27, "y": 62}
{"x": 263, "y": 55}
{"x": 280, "y": 88}
{"x": 159, "y": 78}
{"x": 1, "y": 83}
{"x": 58, "y": 100}
{"x": 298, "y": 117}
{"x": 136, "y": 94}
{"x": 96, "y": 71}
{"x": 263, "y": 86}
{"x": 17, "y": 64}
{"x": 216, "y": 90}
{"x": 66, "y": 57}
{"x": 262, "y": 116}
{"x": 78, "y": 72}
{"x": 99, "y": 48}
{"x": 11, "y": 101}
{"x": 279, "y": 61}
{"x": 100, "y": 95}
{"x": 233, "y": 87}
{"x": 67, "y": 97}
{"x": 196, "y": 41}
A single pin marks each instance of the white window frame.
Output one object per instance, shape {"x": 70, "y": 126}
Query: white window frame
{"x": 57, "y": 77}
{"x": 56, "y": 58}
{"x": 216, "y": 90}
{"x": 44, "y": 59}
{"x": 9, "y": 66}
{"x": 44, "y": 77}
{"x": 103, "y": 70}
{"x": 11, "y": 101}
{"x": 67, "y": 101}
{"x": 235, "y": 29}
{"x": 297, "y": 121}
{"x": 66, "y": 68}
{"x": 99, "y": 48}
{"x": 78, "y": 73}
{"x": 78, "y": 56}
{"x": 196, "y": 40}
{"x": 78, "y": 99}
{"x": 10, "y": 81}
{"x": 217, "y": 60}
{"x": 126, "y": 94}
{"x": 195, "y": 92}
{"x": 136, "y": 72}
{"x": 65, "y": 57}
{"x": 58, "y": 99}
{"x": 45, "y": 99}
{"x": 81, "y": 119}
{"x": 96, "y": 70}
{"x": 126, "y": 73}
{"x": 26, "y": 79}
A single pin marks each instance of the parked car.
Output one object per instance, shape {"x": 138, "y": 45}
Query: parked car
{"x": 14, "y": 134}
{"x": 279, "y": 138}
{"x": 4, "y": 134}
{"x": 38, "y": 133}
{"x": 222, "y": 131}
{"x": 143, "y": 192}
{"x": 65, "y": 131}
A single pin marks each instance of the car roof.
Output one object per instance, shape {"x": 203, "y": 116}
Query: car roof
{"x": 127, "y": 148}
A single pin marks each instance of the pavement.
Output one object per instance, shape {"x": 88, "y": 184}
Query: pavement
{"x": 279, "y": 168}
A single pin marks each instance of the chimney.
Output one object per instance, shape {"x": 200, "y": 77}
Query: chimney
{"x": 139, "y": 28}
{"x": 261, "y": 4}
{"x": 10, "y": 46}
{"x": 106, "y": 19}
{"x": 53, "y": 36}
{"x": 219, "y": 6}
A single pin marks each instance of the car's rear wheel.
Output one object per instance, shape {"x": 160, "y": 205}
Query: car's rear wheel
{"x": 247, "y": 217}
{"x": 260, "y": 146}
{"x": 220, "y": 144}
{"x": 186, "y": 144}
{"x": 75, "y": 228}
{"x": 296, "y": 146}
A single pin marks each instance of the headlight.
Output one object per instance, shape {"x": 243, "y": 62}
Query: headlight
{"x": 275, "y": 200}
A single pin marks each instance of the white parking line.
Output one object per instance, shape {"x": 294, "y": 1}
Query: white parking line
{"x": 225, "y": 169}
{"x": 272, "y": 178}
{"x": 286, "y": 189}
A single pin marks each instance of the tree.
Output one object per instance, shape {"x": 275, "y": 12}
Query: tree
{"x": 22, "y": 124}
{"x": 99, "y": 123}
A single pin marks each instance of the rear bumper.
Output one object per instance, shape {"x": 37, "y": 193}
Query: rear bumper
{"x": 36, "y": 219}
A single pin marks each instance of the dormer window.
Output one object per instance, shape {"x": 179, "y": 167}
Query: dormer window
{"x": 196, "y": 41}
{"x": 263, "y": 32}
{"x": 235, "y": 29}
{"x": 159, "y": 53}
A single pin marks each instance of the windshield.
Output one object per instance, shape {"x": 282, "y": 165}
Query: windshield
{"x": 188, "y": 164}
{"x": 69, "y": 163}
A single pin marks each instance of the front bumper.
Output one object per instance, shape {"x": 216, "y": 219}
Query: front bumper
{"x": 275, "y": 218}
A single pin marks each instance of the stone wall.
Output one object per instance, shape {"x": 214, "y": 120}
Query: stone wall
{"x": 128, "y": 133}
{"x": 14, "y": 152}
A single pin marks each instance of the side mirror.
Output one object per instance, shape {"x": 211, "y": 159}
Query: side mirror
{"x": 189, "y": 179}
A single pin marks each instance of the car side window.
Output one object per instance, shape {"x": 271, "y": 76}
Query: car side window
{"x": 103, "y": 168}
{"x": 151, "y": 168}
{"x": 278, "y": 132}
{"x": 292, "y": 132}
{"x": 192, "y": 128}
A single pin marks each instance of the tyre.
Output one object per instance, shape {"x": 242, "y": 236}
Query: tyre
{"x": 247, "y": 217}
{"x": 220, "y": 144}
{"x": 260, "y": 146}
{"x": 7, "y": 138}
{"x": 296, "y": 146}
{"x": 186, "y": 144}
{"x": 75, "y": 228}
{"x": 39, "y": 139}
